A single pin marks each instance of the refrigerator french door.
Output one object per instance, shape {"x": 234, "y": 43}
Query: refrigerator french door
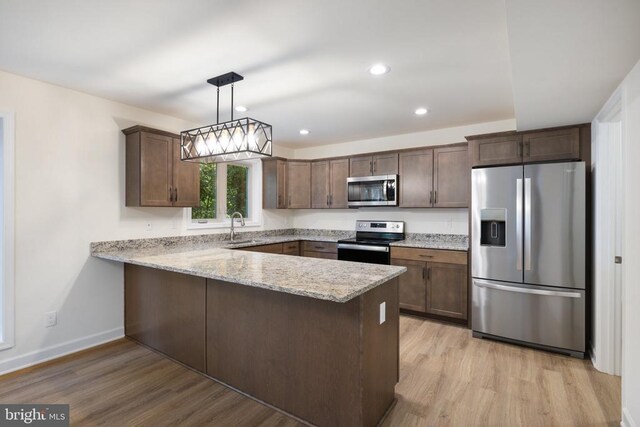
{"x": 528, "y": 255}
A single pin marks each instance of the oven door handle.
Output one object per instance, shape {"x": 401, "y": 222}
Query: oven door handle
{"x": 363, "y": 247}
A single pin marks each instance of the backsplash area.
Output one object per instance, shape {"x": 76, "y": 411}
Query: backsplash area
{"x": 432, "y": 221}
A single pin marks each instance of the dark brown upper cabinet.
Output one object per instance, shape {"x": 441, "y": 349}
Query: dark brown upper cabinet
{"x": 155, "y": 175}
{"x": 329, "y": 184}
{"x": 437, "y": 177}
{"x": 564, "y": 143}
{"x": 298, "y": 184}
{"x": 378, "y": 164}
{"x": 274, "y": 183}
{"x": 551, "y": 145}
{"x": 496, "y": 151}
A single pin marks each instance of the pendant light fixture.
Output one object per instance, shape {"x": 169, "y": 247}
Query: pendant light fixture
{"x": 238, "y": 139}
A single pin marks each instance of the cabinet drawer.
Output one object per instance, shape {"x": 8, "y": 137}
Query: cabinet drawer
{"x": 291, "y": 248}
{"x": 431, "y": 255}
{"x": 275, "y": 248}
{"x": 321, "y": 247}
{"x": 325, "y": 255}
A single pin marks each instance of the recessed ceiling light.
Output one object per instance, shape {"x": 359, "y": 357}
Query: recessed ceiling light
{"x": 421, "y": 111}
{"x": 304, "y": 132}
{"x": 241, "y": 108}
{"x": 379, "y": 69}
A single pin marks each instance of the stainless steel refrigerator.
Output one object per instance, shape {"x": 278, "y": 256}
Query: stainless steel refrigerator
{"x": 528, "y": 255}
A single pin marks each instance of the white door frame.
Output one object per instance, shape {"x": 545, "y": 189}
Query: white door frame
{"x": 7, "y": 203}
{"x": 608, "y": 234}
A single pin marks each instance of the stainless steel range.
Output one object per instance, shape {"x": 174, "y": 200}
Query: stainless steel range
{"x": 371, "y": 243}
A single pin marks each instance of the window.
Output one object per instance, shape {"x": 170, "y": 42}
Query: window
{"x": 226, "y": 188}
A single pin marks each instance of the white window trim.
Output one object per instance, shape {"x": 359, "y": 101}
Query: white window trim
{"x": 255, "y": 202}
{"x": 7, "y": 279}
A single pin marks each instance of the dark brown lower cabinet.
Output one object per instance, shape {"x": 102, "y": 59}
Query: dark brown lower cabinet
{"x": 435, "y": 282}
{"x": 327, "y": 363}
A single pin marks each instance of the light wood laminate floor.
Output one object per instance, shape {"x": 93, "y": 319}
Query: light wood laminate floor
{"x": 447, "y": 378}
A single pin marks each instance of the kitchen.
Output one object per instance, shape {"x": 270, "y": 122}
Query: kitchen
{"x": 60, "y": 218}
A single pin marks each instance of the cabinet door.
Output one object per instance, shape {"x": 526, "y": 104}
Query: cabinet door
{"x": 360, "y": 166}
{"x": 447, "y": 289}
{"x": 320, "y": 184}
{"x": 412, "y": 285}
{"x": 186, "y": 180}
{"x": 451, "y": 177}
{"x": 338, "y": 173}
{"x": 496, "y": 151}
{"x": 298, "y": 185}
{"x": 156, "y": 164}
{"x": 552, "y": 145}
{"x": 275, "y": 248}
{"x": 416, "y": 179}
{"x": 274, "y": 184}
{"x": 385, "y": 164}
{"x": 324, "y": 255}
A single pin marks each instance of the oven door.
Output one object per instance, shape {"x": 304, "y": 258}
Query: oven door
{"x": 364, "y": 253}
{"x": 372, "y": 191}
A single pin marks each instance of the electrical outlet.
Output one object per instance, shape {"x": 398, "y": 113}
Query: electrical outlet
{"x": 383, "y": 312}
{"x": 50, "y": 319}
{"x": 148, "y": 227}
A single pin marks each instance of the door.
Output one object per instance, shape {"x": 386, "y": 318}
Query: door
{"x": 411, "y": 284}
{"x": 385, "y": 164}
{"x": 535, "y": 314}
{"x": 156, "y": 164}
{"x": 320, "y": 184}
{"x": 361, "y": 166}
{"x": 416, "y": 179}
{"x": 298, "y": 185}
{"x": 497, "y": 253}
{"x": 447, "y": 289}
{"x": 554, "y": 224}
{"x": 451, "y": 177}
{"x": 338, "y": 174}
{"x": 496, "y": 151}
{"x": 551, "y": 145}
{"x": 186, "y": 180}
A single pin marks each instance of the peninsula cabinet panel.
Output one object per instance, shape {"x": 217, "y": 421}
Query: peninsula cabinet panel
{"x": 166, "y": 311}
{"x": 274, "y": 176}
{"x": 283, "y": 349}
{"x": 563, "y": 144}
{"x": 416, "y": 179}
{"x": 450, "y": 177}
{"x": 155, "y": 175}
{"x": 447, "y": 290}
{"x": 496, "y": 151}
{"x": 298, "y": 185}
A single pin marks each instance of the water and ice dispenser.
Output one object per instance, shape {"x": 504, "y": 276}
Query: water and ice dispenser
{"x": 493, "y": 227}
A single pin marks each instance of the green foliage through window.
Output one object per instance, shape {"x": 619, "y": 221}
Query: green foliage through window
{"x": 237, "y": 190}
{"x": 208, "y": 187}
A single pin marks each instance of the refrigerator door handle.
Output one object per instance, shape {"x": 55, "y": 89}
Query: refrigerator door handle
{"x": 519, "y": 228}
{"x": 527, "y": 224}
{"x": 483, "y": 284}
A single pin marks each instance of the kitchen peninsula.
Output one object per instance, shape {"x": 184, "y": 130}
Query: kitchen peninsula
{"x": 316, "y": 338}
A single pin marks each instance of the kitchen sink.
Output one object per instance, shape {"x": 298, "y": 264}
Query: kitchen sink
{"x": 242, "y": 242}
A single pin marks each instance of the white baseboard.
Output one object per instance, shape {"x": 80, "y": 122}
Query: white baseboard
{"x": 627, "y": 421}
{"x": 59, "y": 350}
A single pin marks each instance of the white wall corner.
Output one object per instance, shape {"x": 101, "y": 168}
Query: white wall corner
{"x": 627, "y": 421}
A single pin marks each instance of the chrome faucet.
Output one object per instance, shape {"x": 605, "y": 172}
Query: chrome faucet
{"x": 232, "y": 234}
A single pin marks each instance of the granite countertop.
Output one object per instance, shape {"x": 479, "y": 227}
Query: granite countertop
{"x": 338, "y": 281}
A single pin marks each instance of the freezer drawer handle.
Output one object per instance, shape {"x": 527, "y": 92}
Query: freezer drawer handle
{"x": 482, "y": 284}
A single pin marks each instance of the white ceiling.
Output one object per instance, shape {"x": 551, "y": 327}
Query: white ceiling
{"x": 305, "y": 63}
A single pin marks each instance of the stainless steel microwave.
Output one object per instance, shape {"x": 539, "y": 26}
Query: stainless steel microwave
{"x": 378, "y": 190}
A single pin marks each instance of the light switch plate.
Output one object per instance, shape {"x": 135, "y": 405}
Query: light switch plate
{"x": 383, "y": 312}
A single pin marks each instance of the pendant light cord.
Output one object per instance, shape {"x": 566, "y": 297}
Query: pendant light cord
{"x": 218, "y": 106}
{"x": 231, "y": 101}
